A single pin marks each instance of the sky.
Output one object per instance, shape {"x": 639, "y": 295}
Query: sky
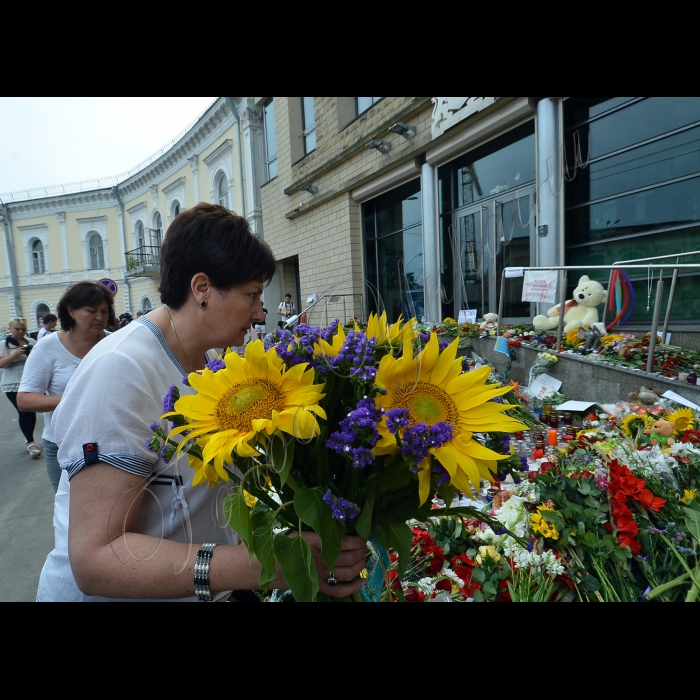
{"x": 56, "y": 140}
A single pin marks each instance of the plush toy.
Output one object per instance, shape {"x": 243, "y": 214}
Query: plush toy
{"x": 490, "y": 322}
{"x": 580, "y": 311}
{"x": 661, "y": 433}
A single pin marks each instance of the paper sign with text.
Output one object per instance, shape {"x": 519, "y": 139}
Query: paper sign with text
{"x": 467, "y": 316}
{"x": 540, "y": 286}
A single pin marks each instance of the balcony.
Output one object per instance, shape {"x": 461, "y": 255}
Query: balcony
{"x": 143, "y": 262}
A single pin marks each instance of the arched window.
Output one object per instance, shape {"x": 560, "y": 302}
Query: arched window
{"x": 146, "y": 305}
{"x": 97, "y": 254}
{"x": 157, "y": 230}
{"x": 222, "y": 191}
{"x": 176, "y": 208}
{"x": 140, "y": 238}
{"x": 41, "y": 311}
{"x": 38, "y": 267}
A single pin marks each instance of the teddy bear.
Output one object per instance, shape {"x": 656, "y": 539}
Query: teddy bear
{"x": 661, "y": 433}
{"x": 580, "y": 311}
{"x": 490, "y": 322}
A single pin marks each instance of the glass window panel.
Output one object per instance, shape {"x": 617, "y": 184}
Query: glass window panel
{"x": 474, "y": 265}
{"x": 513, "y": 224}
{"x": 38, "y": 258}
{"x": 270, "y": 139}
{"x": 500, "y": 165}
{"x": 638, "y": 122}
{"x": 97, "y": 260}
{"x": 309, "y": 122}
{"x": 581, "y": 109}
{"x": 412, "y": 279}
{"x": 372, "y": 285}
{"x": 398, "y": 208}
{"x": 363, "y": 103}
{"x": 668, "y": 158}
{"x": 668, "y": 205}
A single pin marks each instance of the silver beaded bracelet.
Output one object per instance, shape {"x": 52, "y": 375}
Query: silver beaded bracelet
{"x": 201, "y": 572}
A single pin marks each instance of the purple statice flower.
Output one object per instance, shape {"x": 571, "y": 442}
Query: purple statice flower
{"x": 421, "y": 438}
{"x": 186, "y": 381}
{"x": 517, "y": 479}
{"x": 655, "y": 530}
{"x": 329, "y": 332}
{"x": 342, "y": 508}
{"x": 397, "y": 419}
{"x": 523, "y": 461}
{"x": 501, "y": 531}
{"x": 170, "y": 398}
{"x": 687, "y": 550}
{"x": 501, "y": 476}
{"x": 357, "y": 353}
{"x": 216, "y": 364}
{"x": 167, "y": 452}
{"x": 424, "y": 337}
{"x": 466, "y": 367}
{"x": 153, "y": 426}
{"x": 359, "y": 427}
{"x": 530, "y": 546}
{"x": 443, "y": 344}
{"x": 506, "y": 444}
{"x": 444, "y": 474}
{"x": 153, "y": 444}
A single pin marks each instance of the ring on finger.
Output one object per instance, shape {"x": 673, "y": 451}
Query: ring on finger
{"x": 331, "y": 580}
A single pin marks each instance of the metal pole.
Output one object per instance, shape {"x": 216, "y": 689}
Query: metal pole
{"x": 605, "y": 305}
{"x": 654, "y": 325}
{"x": 671, "y": 292}
{"x": 500, "y": 302}
{"x": 562, "y": 305}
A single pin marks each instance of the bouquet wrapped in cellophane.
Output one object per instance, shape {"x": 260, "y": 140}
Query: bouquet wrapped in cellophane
{"x": 336, "y": 432}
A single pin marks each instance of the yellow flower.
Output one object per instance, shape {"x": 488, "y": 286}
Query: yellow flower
{"x": 683, "y": 419}
{"x": 449, "y": 319}
{"x": 573, "y": 339}
{"x": 610, "y": 339}
{"x": 250, "y": 500}
{"x": 688, "y": 495}
{"x": 487, "y": 552}
{"x": 635, "y": 422}
{"x": 432, "y": 387}
{"x": 331, "y": 349}
{"x": 544, "y": 527}
{"x": 248, "y": 399}
{"x": 378, "y": 328}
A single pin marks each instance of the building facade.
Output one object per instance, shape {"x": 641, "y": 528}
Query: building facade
{"x": 415, "y": 205}
{"x": 114, "y": 231}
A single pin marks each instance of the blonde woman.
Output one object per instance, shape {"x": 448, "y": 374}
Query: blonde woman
{"x": 13, "y": 356}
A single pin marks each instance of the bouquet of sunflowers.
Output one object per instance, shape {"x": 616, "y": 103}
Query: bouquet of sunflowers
{"x": 337, "y": 432}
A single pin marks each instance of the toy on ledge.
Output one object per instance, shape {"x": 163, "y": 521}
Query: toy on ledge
{"x": 661, "y": 433}
{"x": 489, "y": 325}
{"x": 580, "y": 311}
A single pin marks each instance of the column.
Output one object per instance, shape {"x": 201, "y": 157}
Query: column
{"x": 431, "y": 246}
{"x": 550, "y": 188}
{"x": 193, "y": 161}
{"x": 61, "y": 216}
{"x": 251, "y": 127}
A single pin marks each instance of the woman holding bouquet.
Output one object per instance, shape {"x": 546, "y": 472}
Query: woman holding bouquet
{"x": 129, "y": 525}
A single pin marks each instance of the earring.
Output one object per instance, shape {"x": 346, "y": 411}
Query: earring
{"x": 202, "y": 304}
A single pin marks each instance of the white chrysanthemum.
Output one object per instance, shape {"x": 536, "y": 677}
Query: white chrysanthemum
{"x": 426, "y": 585}
{"x": 513, "y": 516}
{"x": 449, "y": 573}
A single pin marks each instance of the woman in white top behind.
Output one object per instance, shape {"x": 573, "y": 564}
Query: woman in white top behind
{"x": 13, "y": 357}
{"x": 84, "y": 310}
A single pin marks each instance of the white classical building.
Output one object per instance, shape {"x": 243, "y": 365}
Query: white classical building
{"x": 113, "y": 228}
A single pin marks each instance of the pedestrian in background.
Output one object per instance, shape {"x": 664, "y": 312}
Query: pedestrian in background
{"x": 13, "y": 357}
{"x": 48, "y": 324}
{"x": 286, "y": 309}
{"x": 260, "y": 328}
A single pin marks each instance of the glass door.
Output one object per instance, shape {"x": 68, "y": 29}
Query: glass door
{"x": 487, "y": 237}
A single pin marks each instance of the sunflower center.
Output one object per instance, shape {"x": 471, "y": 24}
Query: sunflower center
{"x": 427, "y": 403}
{"x": 243, "y": 403}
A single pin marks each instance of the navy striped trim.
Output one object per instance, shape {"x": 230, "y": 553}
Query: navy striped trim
{"x": 161, "y": 339}
{"x": 121, "y": 460}
{"x": 164, "y": 480}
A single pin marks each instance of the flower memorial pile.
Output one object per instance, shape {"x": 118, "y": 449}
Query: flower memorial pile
{"x": 336, "y": 431}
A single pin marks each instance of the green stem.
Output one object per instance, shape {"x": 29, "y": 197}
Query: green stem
{"x": 659, "y": 590}
{"x": 680, "y": 558}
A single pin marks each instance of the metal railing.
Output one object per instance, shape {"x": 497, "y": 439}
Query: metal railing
{"x": 143, "y": 259}
{"x": 332, "y": 300}
{"x": 563, "y": 272}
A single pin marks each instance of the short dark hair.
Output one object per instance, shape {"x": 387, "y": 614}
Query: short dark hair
{"x": 48, "y": 318}
{"x": 287, "y": 295}
{"x": 209, "y": 238}
{"x": 85, "y": 293}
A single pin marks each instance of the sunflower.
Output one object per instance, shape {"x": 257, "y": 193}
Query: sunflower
{"x": 634, "y": 422}
{"x": 682, "y": 419}
{"x": 332, "y": 349}
{"x": 432, "y": 387}
{"x": 251, "y": 397}
{"x": 573, "y": 339}
{"x": 377, "y": 327}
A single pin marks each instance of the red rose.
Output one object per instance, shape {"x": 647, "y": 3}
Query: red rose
{"x": 413, "y": 595}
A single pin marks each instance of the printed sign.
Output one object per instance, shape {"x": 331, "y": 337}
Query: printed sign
{"x": 467, "y": 316}
{"x": 540, "y": 285}
{"x": 110, "y": 284}
{"x": 514, "y": 272}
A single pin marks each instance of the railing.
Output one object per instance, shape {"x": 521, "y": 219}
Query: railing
{"x": 332, "y": 300}
{"x": 563, "y": 271}
{"x": 143, "y": 260}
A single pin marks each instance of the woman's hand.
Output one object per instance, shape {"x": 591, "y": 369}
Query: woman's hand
{"x": 348, "y": 565}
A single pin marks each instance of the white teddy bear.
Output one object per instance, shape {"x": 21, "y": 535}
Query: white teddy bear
{"x": 580, "y": 311}
{"x": 490, "y": 322}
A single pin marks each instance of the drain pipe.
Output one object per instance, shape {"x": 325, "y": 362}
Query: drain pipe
{"x": 232, "y": 107}
{"x": 12, "y": 263}
{"x": 127, "y": 281}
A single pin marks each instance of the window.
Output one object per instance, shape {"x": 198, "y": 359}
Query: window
{"x": 270, "y": 139}
{"x": 41, "y": 311}
{"x": 146, "y": 305}
{"x": 362, "y": 104}
{"x": 38, "y": 267}
{"x": 140, "y": 237}
{"x": 222, "y": 190}
{"x": 97, "y": 255}
{"x": 176, "y": 208}
{"x": 309, "y": 124}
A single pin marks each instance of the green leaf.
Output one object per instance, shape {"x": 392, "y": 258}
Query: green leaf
{"x": 238, "y": 516}
{"x": 363, "y": 527}
{"x": 478, "y": 596}
{"x": 297, "y": 564}
{"x": 314, "y": 511}
{"x": 262, "y": 524}
{"x": 447, "y": 493}
{"x": 396, "y": 536}
{"x": 281, "y": 455}
{"x": 479, "y": 575}
{"x": 692, "y": 522}
{"x": 592, "y": 502}
{"x": 590, "y": 583}
{"x": 489, "y": 589}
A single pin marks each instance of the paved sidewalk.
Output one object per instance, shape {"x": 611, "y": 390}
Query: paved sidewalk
{"x": 26, "y": 509}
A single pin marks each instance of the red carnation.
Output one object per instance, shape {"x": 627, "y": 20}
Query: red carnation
{"x": 413, "y": 595}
